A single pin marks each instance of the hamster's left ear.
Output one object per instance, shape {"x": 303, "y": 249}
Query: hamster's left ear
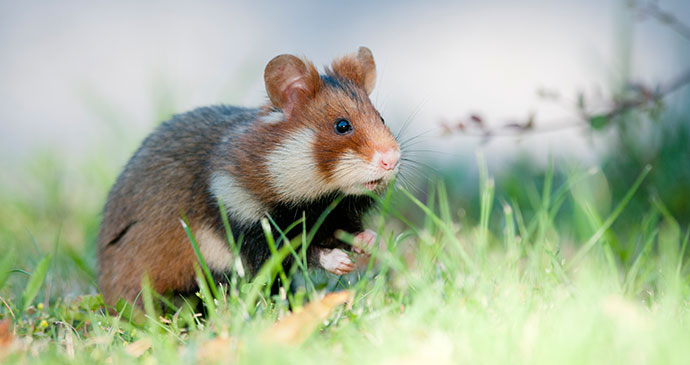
{"x": 290, "y": 82}
{"x": 359, "y": 68}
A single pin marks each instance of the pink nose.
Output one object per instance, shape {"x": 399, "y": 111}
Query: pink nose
{"x": 389, "y": 159}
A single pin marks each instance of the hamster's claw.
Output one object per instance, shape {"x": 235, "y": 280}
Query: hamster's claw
{"x": 336, "y": 261}
{"x": 365, "y": 241}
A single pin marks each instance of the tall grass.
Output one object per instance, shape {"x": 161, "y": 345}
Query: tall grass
{"x": 507, "y": 288}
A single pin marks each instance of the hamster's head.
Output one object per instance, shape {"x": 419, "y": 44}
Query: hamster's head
{"x": 333, "y": 137}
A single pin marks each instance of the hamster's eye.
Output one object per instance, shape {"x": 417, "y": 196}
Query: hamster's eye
{"x": 343, "y": 126}
{"x": 383, "y": 121}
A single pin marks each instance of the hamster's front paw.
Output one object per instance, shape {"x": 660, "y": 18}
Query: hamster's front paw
{"x": 336, "y": 261}
{"x": 365, "y": 241}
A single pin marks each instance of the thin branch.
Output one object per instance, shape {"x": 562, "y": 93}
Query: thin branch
{"x": 475, "y": 125}
{"x": 8, "y": 307}
{"x": 651, "y": 9}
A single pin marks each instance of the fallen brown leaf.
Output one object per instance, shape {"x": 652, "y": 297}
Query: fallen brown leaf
{"x": 297, "y": 327}
{"x": 219, "y": 349}
{"x": 137, "y": 348}
{"x": 6, "y": 337}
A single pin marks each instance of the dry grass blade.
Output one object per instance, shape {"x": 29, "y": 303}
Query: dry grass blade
{"x": 297, "y": 327}
{"x": 138, "y": 348}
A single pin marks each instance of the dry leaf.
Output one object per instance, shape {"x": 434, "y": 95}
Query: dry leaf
{"x": 297, "y": 327}
{"x": 6, "y": 337}
{"x": 138, "y": 348}
{"x": 216, "y": 350}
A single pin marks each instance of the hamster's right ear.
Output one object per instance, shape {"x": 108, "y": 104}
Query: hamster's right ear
{"x": 290, "y": 82}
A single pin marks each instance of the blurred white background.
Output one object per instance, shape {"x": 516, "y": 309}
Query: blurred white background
{"x": 69, "y": 68}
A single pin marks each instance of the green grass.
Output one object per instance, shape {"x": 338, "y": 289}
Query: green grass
{"x": 509, "y": 287}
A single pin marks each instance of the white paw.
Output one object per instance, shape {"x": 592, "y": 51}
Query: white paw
{"x": 336, "y": 261}
{"x": 365, "y": 241}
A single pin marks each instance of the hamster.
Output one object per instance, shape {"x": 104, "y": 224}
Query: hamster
{"x": 318, "y": 138}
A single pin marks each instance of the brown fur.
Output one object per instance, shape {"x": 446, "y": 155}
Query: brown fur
{"x": 143, "y": 213}
{"x": 169, "y": 175}
{"x": 360, "y": 69}
{"x": 295, "y": 84}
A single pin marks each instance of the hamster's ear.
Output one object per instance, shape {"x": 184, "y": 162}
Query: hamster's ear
{"x": 366, "y": 59}
{"x": 361, "y": 69}
{"x": 290, "y": 82}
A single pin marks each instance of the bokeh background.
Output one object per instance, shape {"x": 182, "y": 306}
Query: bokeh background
{"x": 83, "y": 82}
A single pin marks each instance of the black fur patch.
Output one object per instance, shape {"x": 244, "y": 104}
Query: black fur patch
{"x": 346, "y": 216}
{"x": 341, "y": 84}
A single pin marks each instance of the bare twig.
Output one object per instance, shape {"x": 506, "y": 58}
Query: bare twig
{"x": 643, "y": 96}
{"x": 652, "y": 10}
{"x": 8, "y": 307}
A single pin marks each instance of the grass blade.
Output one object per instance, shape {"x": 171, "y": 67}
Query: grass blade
{"x": 202, "y": 262}
{"x": 228, "y": 230}
{"x": 5, "y": 265}
{"x": 206, "y": 295}
{"x": 36, "y": 281}
{"x": 612, "y": 218}
{"x": 444, "y": 227}
{"x": 266, "y": 226}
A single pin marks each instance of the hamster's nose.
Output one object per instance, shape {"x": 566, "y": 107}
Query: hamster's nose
{"x": 389, "y": 159}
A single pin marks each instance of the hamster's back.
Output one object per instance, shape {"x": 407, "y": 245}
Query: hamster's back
{"x": 167, "y": 176}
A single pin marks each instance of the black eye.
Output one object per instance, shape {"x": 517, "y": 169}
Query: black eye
{"x": 383, "y": 121}
{"x": 343, "y": 126}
